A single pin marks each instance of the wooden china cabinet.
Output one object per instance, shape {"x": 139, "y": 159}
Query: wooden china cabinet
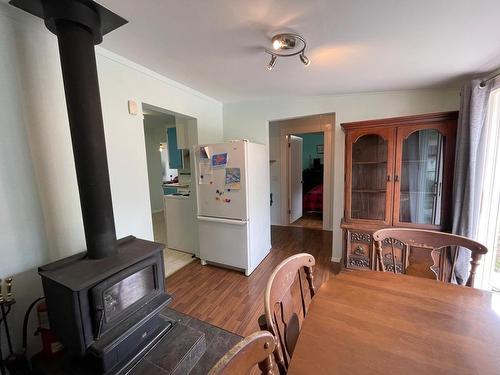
{"x": 398, "y": 173}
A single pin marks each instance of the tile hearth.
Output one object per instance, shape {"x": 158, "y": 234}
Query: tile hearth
{"x": 191, "y": 347}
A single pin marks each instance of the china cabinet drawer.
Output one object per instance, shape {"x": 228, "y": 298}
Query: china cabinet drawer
{"x": 359, "y": 250}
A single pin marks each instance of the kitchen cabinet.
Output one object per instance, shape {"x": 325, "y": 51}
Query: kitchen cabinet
{"x": 174, "y": 153}
{"x": 398, "y": 172}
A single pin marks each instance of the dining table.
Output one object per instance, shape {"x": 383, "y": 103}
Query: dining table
{"x": 367, "y": 322}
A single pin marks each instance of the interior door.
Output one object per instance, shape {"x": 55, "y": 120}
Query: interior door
{"x": 295, "y": 173}
{"x": 369, "y": 180}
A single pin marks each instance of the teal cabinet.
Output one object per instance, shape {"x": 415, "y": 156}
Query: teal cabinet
{"x": 169, "y": 190}
{"x": 174, "y": 154}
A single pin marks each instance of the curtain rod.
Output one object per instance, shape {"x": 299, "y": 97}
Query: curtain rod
{"x": 493, "y": 76}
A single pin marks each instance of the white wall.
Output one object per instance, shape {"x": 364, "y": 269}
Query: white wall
{"x": 23, "y": 242}
{"x": 39, "y": 203}
{"x": 250, "y": 119}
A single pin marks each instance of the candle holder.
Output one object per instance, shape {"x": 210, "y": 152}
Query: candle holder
{"x": 8, "y": 284}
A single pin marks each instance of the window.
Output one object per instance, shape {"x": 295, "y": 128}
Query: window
{"x": 489, "y": 219}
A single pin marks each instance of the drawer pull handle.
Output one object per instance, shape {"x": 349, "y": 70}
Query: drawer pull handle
{"x": 359, "y": 250}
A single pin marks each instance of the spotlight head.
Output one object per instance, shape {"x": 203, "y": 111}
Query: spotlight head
{"x": 271, "y": 64}
{"x": 304, "y": 59}
{"x": 284, "y": 41}
{"x": 277, "y": 43}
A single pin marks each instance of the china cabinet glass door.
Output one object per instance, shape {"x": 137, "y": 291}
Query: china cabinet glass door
{"x": 420, "y": 176}
{"x": 369, "y": 174}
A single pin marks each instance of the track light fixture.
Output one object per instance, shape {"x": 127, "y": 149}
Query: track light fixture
{"x": 271, "y": 64}
{"x": 287, "y": 45}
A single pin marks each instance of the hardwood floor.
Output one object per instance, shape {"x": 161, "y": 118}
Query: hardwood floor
{"x": 311, "y": 220}
{"x": 230, "y": 300}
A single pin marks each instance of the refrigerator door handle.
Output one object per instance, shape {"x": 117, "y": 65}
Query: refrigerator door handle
{"x": 222, "y": 220}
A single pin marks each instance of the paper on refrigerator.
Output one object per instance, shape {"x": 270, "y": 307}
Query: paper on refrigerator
{"x": 233, "y": 179}
{"x": 219, "y": 160}
{"x": 204, "y": 153}
{"x": 206, "y": 173}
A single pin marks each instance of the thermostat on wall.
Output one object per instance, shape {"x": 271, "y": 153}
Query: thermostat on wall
{"x": 132, "y": 107}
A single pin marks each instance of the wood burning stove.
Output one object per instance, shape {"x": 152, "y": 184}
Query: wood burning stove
{"x": 106, "y": 310}
{"x": 104, "y": 303}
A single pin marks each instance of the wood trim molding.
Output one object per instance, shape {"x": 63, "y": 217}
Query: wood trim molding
{"x": 404, "y": 120}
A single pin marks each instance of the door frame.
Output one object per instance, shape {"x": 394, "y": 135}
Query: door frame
{"x": 192, "y": 132}
{"x": 322, "y": 123}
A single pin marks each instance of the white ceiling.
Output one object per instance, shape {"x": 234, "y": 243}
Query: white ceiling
{"x": 216, "y": 46}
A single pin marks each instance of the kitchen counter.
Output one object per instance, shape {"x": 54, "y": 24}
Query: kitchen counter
{"x": 182, "y": 188}
{"x": 177, "y": 196}
{"x": 176, "y": 185}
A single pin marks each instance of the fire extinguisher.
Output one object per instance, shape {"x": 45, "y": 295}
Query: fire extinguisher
{"x": 52, "y": 348}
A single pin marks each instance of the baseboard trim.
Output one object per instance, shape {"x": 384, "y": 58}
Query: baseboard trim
{"x": 336, "y": 259}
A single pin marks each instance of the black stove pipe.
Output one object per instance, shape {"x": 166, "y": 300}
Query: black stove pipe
{"x": 79, "y": 25}
{"x": 76, "y": 49}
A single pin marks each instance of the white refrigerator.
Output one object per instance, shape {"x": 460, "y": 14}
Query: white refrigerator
{"x": 233, "y": 204}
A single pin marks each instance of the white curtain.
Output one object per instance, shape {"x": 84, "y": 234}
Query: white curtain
{"x": 420, "y": 148}
{"x": 489, "y": 217}
{"x": 469, "y": 166}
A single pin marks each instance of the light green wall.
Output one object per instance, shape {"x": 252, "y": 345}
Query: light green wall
{"x": 309, "y": 150}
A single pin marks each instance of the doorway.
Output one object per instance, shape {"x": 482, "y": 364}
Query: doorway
{"x": 169, "y": 137}
{"x": 306, "y": 179}
{"x": 301, "y": 151}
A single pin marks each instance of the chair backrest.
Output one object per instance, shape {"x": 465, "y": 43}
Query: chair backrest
{"x": 289, "y": 291}
{"x": 242, "y": 358}
{"x": 428, "y": 239}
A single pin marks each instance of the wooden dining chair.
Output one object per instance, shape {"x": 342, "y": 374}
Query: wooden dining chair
{"x": 442, "y": 265}
{"x": 289, "y": 292}
{"x": 255, "y": 349}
